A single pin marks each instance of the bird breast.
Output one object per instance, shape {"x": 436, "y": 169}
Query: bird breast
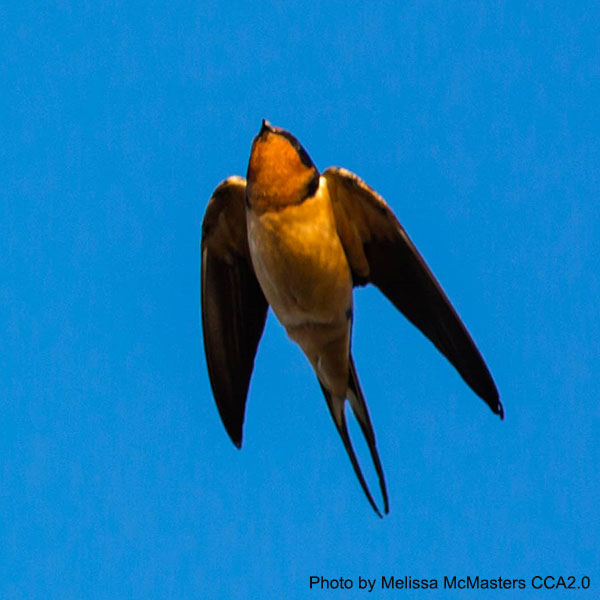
{"x": 300, "y": 263}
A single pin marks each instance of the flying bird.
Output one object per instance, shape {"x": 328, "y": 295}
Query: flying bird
{"x": 298, "y": 241}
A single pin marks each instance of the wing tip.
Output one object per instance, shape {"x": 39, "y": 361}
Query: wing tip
{"x": 235, "y": 435}
{"x": 488, "y": 392}
{"x": 500, "y": 410}
{"x": 492, "y": 398}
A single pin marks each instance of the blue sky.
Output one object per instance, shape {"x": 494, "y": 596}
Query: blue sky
{"x": 478, "y": 123}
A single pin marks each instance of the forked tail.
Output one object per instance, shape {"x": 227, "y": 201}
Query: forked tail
{"x": 359, "y": 408}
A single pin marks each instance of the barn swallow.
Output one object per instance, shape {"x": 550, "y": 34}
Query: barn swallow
{"x": 299, "y": 241}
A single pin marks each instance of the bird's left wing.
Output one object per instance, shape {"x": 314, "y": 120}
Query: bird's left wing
{"x": 380, "y": 252}
{"x": 234, "y": 308}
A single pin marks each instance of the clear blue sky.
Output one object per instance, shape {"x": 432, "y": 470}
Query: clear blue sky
{"x": 478, "y": 123}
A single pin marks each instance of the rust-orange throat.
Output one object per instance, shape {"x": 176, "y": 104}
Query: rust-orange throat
{"x": 280, "y": 171}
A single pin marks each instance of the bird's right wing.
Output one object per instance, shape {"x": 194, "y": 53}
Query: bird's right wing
{"x": 234, "y": 308}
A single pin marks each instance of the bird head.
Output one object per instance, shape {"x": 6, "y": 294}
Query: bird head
{"x": 280, "y": 171}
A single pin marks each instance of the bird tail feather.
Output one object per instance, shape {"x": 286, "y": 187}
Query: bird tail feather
{"x": 359, "y": 407}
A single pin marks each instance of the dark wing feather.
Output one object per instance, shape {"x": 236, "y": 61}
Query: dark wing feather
{"x": 234, "y": 308}
{"x": 380, "y": 252}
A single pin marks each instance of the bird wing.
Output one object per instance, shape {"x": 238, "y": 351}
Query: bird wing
{"x": 380, "y": 252}
{"x": 234, "y": 308}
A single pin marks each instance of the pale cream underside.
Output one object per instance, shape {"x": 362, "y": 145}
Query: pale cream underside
{"x": 302, "y": 269}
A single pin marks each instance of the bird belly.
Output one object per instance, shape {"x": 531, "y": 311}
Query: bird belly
{"x": 300, "y": 263}
{"x": 302, "y": 269}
